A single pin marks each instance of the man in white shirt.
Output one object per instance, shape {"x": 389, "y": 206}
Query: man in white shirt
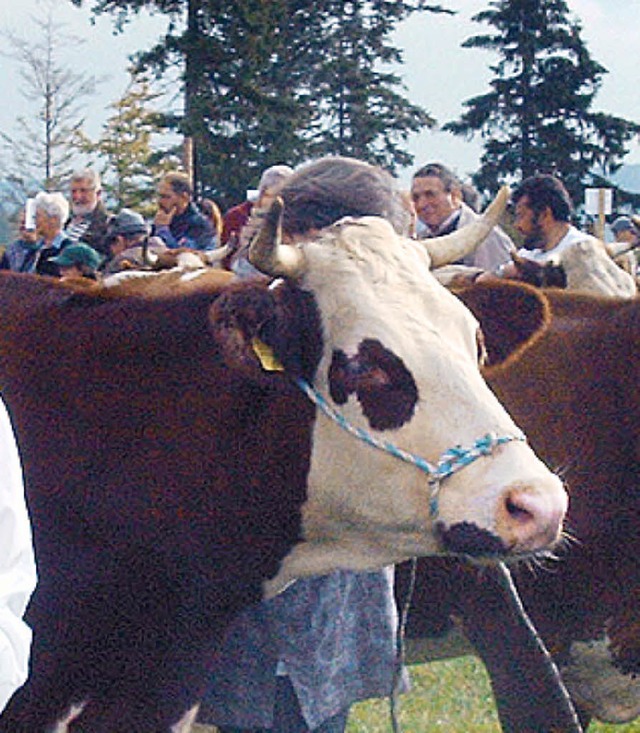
{"x": 17, "y": 566}
{"x": 542, "y": 215}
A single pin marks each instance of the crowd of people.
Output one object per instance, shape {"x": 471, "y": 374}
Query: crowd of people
{"x": 98, "y": 244}
{"x": 297, "y": 662}
{"x": 79, "y": 238}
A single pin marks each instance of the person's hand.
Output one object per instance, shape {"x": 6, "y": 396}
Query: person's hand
{"x": 164, "y": 218}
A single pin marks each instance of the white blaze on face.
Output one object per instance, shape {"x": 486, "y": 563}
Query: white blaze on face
{"x": 366, "y": 508}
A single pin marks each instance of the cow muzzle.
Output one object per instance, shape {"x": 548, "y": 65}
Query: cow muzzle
{"x": 528, "y": 520}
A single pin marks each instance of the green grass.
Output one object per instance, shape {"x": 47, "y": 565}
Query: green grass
{"x": 452, "y": 696}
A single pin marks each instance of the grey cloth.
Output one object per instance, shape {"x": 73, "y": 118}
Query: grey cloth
{"x": 334, "y": 636}
{"x": 494, "y": 251}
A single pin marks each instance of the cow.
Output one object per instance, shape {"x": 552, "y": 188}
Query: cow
{"x": 586, "y": 266}
{"x": 176, "y": 469}
{"x": 575, "y": 393}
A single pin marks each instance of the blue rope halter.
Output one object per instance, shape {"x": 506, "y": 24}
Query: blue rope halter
{"x": 451, "y": 461}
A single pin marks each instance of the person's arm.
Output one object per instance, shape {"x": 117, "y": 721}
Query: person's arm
{"x": 17, "y": 566}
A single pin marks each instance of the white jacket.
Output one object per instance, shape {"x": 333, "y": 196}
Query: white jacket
{"x": 17, "y": 566}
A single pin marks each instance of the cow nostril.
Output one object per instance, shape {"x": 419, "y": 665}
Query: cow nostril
{"x": 517, "y": 511}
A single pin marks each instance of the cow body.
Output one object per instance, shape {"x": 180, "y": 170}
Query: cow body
{"x": 575, "y": 394}
{"x": 580, "y": 405}
{"x": 170, "y": 476}
{"x": 147, "y": 502}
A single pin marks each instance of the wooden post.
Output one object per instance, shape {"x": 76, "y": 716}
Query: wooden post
{"x": 601, "y": 213}
{"x": 187, "y": 158}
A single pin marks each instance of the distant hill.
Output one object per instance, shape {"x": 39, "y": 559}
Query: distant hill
{"x": 628, "y": 178}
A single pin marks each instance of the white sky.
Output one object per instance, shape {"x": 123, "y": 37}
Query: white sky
{"x": 439, "y": 74}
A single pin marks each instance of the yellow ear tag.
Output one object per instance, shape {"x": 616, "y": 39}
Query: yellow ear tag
{"x": 266, "y": 357}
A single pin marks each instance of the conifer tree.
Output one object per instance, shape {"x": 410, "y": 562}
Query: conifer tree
{"x": 129, "y": 147}
{"x": 539, "y": 115}
{"x": 358, "y": 104}
{"x": 281, "y": 81}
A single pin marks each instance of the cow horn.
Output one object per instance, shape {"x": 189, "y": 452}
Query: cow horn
{"x": 149, "y": 258}
{"x": 452, "y": 247}
{"x": 267, "y": 252}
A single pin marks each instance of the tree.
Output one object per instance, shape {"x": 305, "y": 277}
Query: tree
{"x": 42, "y": 151}
{"x": 132, "y": 160}
{"x": 538, "y": 116}
{"x": 281, "y": 81}
{"x": 358, "y": 108}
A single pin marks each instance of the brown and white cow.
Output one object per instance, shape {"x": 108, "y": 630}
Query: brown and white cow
{"x": 172, "y": 479}
{"x": 575, "y": 393}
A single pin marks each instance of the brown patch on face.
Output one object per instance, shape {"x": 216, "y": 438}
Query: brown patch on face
{"x": 466, "y": 538}
{"x": 382, "y": 383}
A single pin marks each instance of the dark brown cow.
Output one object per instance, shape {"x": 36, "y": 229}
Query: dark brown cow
{"x": 576, "y": 393}
{"x": 166, "y": 471}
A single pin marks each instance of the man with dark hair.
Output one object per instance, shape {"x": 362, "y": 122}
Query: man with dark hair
{"x": 437, "y": 196}
{"x": 542, "y": 215}
{"x": 178, "y": 222}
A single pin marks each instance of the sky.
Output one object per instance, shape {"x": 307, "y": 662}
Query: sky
{"x": 438, "y": 74}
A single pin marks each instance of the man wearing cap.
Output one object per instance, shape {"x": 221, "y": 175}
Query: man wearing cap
{"x": 78, "y": 260}
{"x": 178, "y": 222}
{"x": 626, "y": 231}
{"x": 127, "y": 235}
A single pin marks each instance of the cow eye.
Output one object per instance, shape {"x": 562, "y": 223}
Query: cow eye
{"x": 482, "y": 349}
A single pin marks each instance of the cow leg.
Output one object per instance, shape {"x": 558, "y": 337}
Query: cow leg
{"x": 138, "y": 661}
{"x": 522, "y": 672}
{"x": 33, "y": 709}
{"x": 527, "y": 688}
{"x": 162, "y": 690}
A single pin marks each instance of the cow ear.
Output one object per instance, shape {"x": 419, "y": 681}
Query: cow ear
{"x": 512, "y": 316}
{"x": 237, "y": 318}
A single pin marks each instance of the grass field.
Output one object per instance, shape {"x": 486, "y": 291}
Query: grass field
{"x": 452, "y": 696}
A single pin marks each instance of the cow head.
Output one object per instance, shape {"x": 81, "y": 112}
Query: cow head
{"x": 550, "y": 274}
{"x": 399, "y": 360}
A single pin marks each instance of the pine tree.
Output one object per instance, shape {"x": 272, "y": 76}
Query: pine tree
{"x": 539, "y": 116}
{"x": 359, "y": 108}
{"x": 282, "y": 81}
{"x": 129, "y": 148}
